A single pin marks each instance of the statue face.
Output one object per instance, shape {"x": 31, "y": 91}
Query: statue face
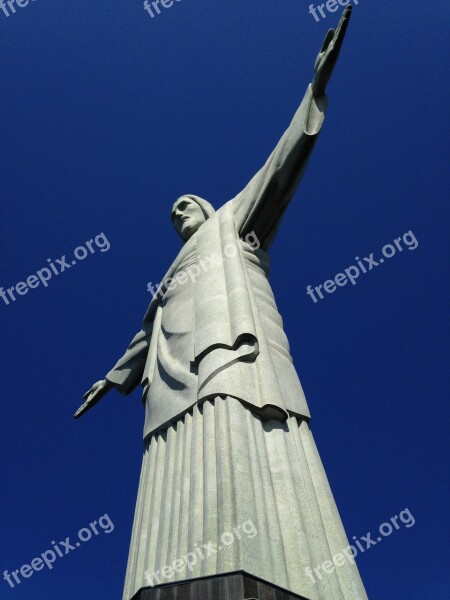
{"x": 187, "y": 216}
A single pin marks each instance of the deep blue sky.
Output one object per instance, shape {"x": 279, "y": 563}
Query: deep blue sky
{"x": 107, "y": 117}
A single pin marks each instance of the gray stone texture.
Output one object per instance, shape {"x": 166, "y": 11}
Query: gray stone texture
{"x": 227, "y": 437}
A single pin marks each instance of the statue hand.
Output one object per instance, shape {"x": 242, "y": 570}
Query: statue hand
{"x": 328, "y": 55}
{"x": 94, "y": 395}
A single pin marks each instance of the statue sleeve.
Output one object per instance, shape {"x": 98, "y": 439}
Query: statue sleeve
{"x": 261, "y": 204}
{"x": 127, "y": 373}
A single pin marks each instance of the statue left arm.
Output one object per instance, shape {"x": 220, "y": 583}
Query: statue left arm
{"x": 124, "y": 376}
{"x": 261, "y": 204}
{"x": 127, "y": 373}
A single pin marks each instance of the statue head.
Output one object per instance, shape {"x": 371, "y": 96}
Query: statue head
{"x": 188, "y": 213}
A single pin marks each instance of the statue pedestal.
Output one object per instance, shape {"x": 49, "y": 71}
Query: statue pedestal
{"x": 230, "y": 586}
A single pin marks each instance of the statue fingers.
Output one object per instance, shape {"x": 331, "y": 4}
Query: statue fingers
{"x": 344, "y": 17}
{"x": 83, "y": 408}
{"x": 91, "y": 401}
{"x": 88, "y": 393}
{"x": 342, "y": 28}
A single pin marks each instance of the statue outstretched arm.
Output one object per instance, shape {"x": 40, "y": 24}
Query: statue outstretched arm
{"x": 125, "y": 376}
{"x": 261, "y": 204}
{"x": 127, "y": 373}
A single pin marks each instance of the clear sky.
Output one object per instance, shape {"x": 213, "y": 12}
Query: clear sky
{"x": 108, "y": 116}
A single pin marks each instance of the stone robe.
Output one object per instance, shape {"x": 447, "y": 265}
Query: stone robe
{"x": 227, "y": 438}
{"x": 219, "y": 333}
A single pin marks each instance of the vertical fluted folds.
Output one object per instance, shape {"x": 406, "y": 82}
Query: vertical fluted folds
{"x": 221, "y": 468}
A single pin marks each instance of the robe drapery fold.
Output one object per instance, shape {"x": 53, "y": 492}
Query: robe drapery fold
{"x": 219, "y": 467}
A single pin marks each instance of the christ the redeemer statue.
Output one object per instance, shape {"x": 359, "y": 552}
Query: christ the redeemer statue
{"x": 227, "y": 436}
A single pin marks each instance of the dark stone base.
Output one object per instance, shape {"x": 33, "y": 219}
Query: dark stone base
{"x": 230, "y": 586}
